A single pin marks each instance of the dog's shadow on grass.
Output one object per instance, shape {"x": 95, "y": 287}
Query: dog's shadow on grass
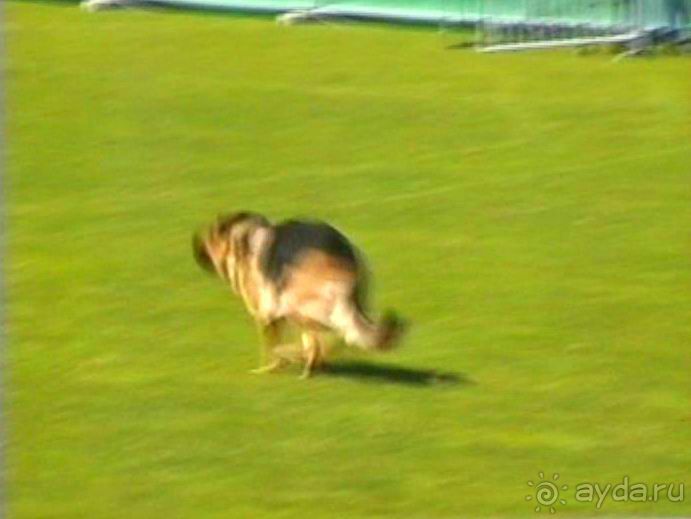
{"x": 392, "y": 374}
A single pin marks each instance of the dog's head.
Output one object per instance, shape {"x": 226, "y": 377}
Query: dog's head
{"x": 228, "y": 242}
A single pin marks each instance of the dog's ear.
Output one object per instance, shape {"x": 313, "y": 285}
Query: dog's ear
{"x": 258, "y": 238}
{"x": 242, "y": 246}
{"x": 251, "y": 240}
{"x": 226, "y": 221}
{"x": 223, "y": 223}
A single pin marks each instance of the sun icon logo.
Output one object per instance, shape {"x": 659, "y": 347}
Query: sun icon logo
{"x": 546, "y": 493}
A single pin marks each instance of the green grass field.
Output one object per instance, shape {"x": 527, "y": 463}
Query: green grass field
{"x": 529, "y": 213}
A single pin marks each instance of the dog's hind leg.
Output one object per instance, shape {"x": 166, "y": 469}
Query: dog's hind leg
{"x": 312, "y": 351}
{"x": 270, "y": 335}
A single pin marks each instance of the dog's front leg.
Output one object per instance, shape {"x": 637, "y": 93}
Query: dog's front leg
{"x": 270, "y": 335}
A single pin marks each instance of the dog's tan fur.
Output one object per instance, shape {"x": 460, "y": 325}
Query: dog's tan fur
{"x": 319, "y": 292}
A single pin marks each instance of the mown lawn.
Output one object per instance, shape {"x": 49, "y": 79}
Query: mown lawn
{"x": 529, "y": 213}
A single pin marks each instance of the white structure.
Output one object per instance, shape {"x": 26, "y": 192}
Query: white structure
{"x": 102, "y": 5}
{"x": 546, "y": 24}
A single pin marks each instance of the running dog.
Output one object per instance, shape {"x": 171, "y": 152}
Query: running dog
{"x": 303, "y": 272}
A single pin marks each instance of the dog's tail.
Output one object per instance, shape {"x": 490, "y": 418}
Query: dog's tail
{"x": 359, "y": 330}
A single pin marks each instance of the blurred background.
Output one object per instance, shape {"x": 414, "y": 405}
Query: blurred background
{"x": 528, "y": 212}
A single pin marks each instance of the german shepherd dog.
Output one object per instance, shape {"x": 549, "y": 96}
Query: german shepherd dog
{"x": 303, "y": 272}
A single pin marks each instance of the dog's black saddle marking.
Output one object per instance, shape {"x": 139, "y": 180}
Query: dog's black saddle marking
{"x": 293, "y": 238}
